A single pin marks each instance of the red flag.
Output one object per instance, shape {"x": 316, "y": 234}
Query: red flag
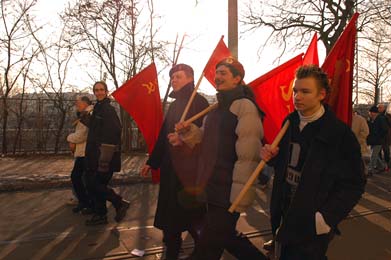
{"x": 273, "y": 92}
{"x": 311, "y": 56}
{"x": 221, "y": 51}
{"x": 339, "y": 67}
{"x": 140, "y": 97}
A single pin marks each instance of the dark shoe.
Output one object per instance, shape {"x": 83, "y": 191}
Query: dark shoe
{"x": 77, "y": 209}
{"x": 121, "y": 210}
{"x": 87, "y": 211}
{"x": 269, "y": 245}
{"x": 97, "y": 220}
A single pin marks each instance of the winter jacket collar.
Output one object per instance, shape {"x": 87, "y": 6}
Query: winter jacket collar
{"x": 183, "y": 93}
{"x": 104, "y": 101}
{"x": 225, "y": 98}
{"x": 326, "y": 134}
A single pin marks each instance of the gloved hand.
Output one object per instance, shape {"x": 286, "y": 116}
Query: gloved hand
{"x": 106, "y": 154}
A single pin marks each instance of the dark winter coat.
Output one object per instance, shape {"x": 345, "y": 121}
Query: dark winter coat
{"x": 378, "y": 130}
{"x": 332, "y": 181}
{"x": 177, "y": 168}
{"x": 104, "y": 128}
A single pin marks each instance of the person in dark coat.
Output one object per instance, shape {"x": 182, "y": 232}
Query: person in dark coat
{"x": 319, "y": 175}
{"x": 103, "y": 156}
{"x": 177, "y": 210}
{"x": 387, "y": 139}
{"x": 378, "y": 130}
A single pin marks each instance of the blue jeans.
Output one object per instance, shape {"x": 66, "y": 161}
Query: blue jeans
{"x": 376, "y": 163}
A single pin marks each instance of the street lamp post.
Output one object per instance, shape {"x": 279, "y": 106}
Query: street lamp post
{"x": 233, "y": 27}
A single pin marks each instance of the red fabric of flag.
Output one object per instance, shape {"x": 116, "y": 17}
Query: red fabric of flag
{"x": 140, "y": 97}
{"x": 273, "y": 92}
{"x": 311, "y": 56}
{"x": 339, "y": 67}
{"x": 221, "y": 51}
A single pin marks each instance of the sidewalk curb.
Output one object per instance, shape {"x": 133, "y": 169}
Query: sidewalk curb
{"x": 29, "y": 184}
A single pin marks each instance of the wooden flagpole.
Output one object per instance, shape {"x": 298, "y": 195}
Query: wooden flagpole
{"x": 257, "y": 170}
{"x": 184, "y": 114}
{"x": 201, "y": 114}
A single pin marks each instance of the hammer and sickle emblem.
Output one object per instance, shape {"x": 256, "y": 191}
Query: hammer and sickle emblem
{"x": 229, "y": 60}
{"x": 347, "y": 65}
{"x": 150, "y": 87}
{"x": 287, "y": 95}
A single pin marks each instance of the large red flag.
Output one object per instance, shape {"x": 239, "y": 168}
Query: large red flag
{"x": 311, "y": 56}
{"x": 339, "y": 67}
{"x": 273, "y": 92}
{"x": 221, "y": 51}
{"x": 140, "y": 97}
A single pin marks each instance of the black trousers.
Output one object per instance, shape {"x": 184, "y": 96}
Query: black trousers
{"x": 312, "y": 250}
{"x": 173, "y": 241}
{"x": 97, "y": 186}
{"x": 78, "y": 183}
{"x": 172, "y": 238}
{"x": 219, "y": 233}
{"x": 386, "y": 151}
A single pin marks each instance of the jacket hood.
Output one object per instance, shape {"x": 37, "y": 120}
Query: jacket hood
{"x": 225, "y": 98}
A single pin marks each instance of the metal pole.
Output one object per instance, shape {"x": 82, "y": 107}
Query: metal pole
{"x": 357, "y": 101}
{"x": 233, "y": 27}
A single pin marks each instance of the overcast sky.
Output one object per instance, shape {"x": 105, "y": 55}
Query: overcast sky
{"x": 204, "y": 24}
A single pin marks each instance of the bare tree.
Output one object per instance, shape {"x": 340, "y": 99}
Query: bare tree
{"x": 116, "y": 33}
{"x": 375, "y": 65}
{"x": 383, "y": 10}
{"x": 16, "y": 48}
{"x": 55, "y": 58}
{"x": 120, "y": 35}
{"x": 19, "y": 109}
{"x": 294, "y": 21}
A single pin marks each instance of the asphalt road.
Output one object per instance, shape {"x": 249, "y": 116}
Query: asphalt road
{"x": 39, "y": 225}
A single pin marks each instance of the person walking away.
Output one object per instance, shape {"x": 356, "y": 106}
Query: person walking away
{"x": 387, "y": 140}
{"x": 361, "y": 131}
{"x": 378, "y": 131}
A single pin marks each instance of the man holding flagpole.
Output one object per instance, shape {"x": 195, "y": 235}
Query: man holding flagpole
{"x": 229, "y": 144}
{"x": 177, "y": 210}
{"x": 319, "y": 175}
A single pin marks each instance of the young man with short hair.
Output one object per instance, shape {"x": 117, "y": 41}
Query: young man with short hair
{"x": 319, "y": 175}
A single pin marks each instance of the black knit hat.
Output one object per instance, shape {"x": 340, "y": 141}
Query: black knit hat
{"x": 374, "y": 109}
{"x": 184, "y": 67}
